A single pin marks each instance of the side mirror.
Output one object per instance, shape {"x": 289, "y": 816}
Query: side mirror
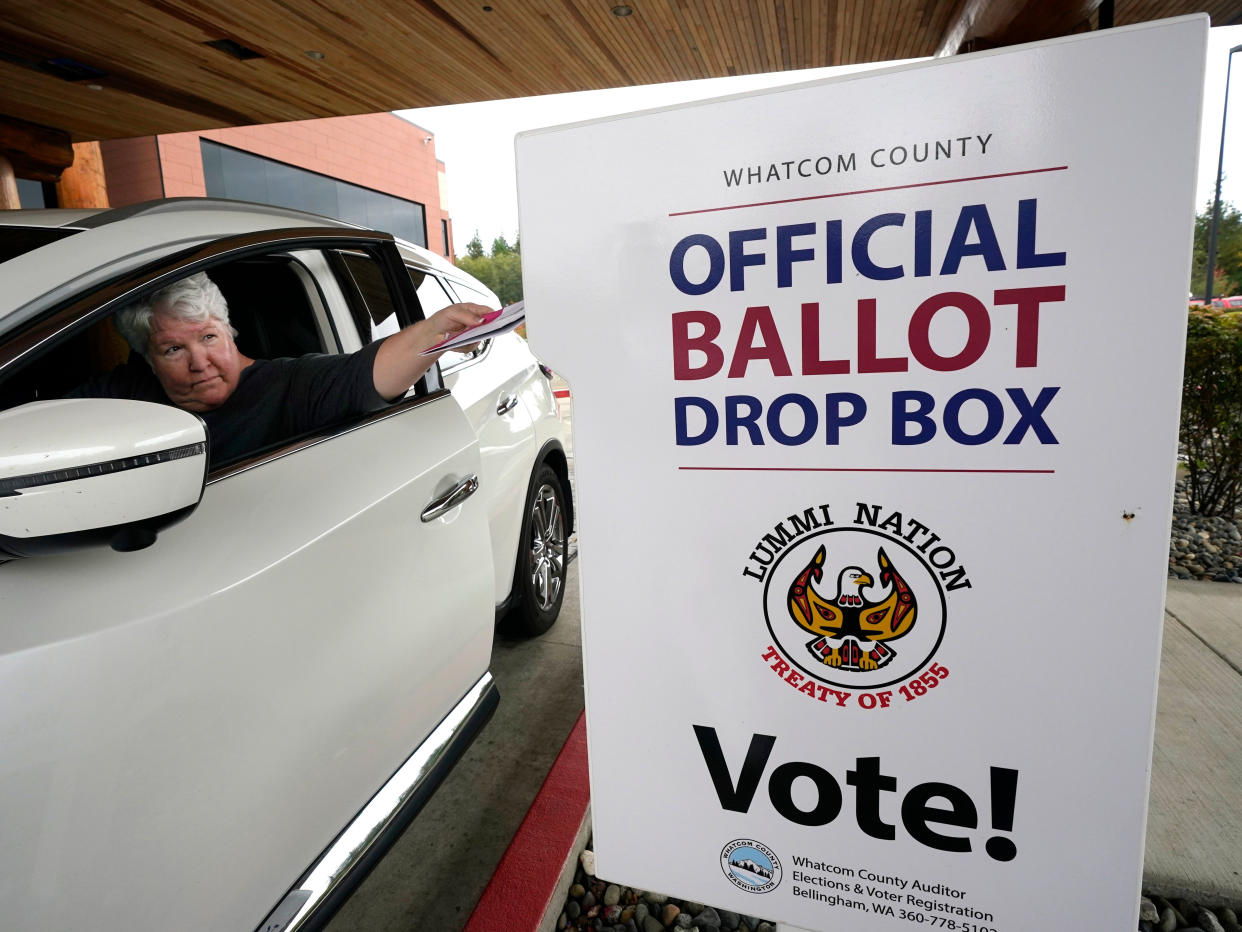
{"x": 84, "y": 472}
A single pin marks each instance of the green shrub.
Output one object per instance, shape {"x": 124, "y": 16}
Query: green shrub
{"x": 1211, "y": 430}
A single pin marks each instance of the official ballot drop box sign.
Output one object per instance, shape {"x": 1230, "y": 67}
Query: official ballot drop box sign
{"x": 876, "y": 386}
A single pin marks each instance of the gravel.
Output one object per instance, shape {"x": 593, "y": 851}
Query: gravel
{"x": 595, "y": 904}
{"x": 1201, "y": 547}
{"x": 1157, "y": 913}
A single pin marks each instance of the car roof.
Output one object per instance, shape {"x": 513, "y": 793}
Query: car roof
{"x": 138, "y": 233}
{"x": 230, "y": 216}
{"x": 46, "y": 217}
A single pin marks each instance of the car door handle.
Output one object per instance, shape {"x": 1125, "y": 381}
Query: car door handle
{"x": 507, "y": 405}
{"x": 446, "y": 503}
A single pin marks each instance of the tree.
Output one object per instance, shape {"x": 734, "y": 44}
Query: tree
{"x": 501, "y": 271}
{"x": 1228, "y": 251}
{"x": 1211, "y": 428}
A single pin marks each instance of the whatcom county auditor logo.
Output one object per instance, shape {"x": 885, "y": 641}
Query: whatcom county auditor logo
{"x": 750, "y": 865}
{"x": 858, "y": 610}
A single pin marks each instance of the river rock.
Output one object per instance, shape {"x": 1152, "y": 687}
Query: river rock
{"x": 1148, "y": 911}
{"x": 707, "y": 919}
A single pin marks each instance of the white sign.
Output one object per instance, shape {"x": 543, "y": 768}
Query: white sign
{"x": 876, "y": 388}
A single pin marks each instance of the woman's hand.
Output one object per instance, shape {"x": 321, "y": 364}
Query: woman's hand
{"x": 400, "y": 363}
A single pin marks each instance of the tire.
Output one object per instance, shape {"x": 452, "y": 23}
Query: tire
{"x": 542, "y": 564}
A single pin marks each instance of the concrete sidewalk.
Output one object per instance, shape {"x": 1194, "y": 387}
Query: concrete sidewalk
{"x": 1194, "y": 824}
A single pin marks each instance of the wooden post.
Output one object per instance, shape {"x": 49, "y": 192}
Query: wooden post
{"x": 82, "y": 184}
{"x": 8, "y": 186}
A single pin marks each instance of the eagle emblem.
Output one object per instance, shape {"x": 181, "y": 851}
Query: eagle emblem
{"x": 851, "y": 631}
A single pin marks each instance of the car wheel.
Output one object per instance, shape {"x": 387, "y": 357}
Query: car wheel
{"x": 539, "y": 579}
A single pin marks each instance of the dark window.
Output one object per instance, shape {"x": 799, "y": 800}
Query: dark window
{"x": 31, "y": 194}
{"x": 444, "y": 233}
{"x": 370, "y": 302}
{"x": 241, "y": 176}
{"x": 269, "y": 307}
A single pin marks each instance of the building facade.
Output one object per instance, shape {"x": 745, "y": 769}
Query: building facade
{"x": 376, "y": 170}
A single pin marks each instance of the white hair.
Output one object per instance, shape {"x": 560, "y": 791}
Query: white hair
{"x": 194, "y": 298}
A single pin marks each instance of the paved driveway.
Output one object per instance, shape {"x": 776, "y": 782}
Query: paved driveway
{"x": 434, "y": 875}
{"x": 1194, "y": 825}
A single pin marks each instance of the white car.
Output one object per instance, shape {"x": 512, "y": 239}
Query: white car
{"x": 216, "y": 714}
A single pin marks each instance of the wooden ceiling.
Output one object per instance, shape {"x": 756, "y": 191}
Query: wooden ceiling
{"x": 99, "y": 69}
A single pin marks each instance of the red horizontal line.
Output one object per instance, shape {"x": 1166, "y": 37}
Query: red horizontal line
{"x": 857, "y": 469}
{"x": 896, "y": 187}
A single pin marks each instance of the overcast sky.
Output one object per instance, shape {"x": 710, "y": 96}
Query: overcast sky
{"x": 475, "y": 141}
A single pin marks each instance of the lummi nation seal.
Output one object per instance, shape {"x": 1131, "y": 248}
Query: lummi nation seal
{"x": 857, "y": 606}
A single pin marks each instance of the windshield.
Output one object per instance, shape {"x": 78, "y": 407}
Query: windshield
{"x": 17, "y": 240}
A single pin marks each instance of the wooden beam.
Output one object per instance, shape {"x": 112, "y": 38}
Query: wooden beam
{"x": 82, "y": 184}
{"x": 27, "y": 53}
{"x": 1050, "y": 20}
{"x": 994, "y": 23}
{"x": 35, "y": 152}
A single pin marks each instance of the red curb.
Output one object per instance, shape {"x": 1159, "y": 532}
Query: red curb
{"x": 525, "y": 880}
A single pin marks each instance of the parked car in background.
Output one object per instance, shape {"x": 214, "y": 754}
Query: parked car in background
{"x": 226, "y": 688}
{"x": 1233, "y": 303}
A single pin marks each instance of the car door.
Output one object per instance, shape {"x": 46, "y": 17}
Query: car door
{"x": 491, "y": 384}
{"x": 188, "y": 726}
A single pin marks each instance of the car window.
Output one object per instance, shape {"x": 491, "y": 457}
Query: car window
{"x": 433, "y": 294}
{"x": 273, "y": 307}
{"x": 371, "y": 304}
{"x": 269, "y": 306}
{"x": 276, "y": 310}
{"x": 467, "y": 292}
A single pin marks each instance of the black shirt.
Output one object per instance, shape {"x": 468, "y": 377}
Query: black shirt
{"x": 275, "y": 399}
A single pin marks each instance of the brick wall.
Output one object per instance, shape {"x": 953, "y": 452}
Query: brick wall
{"x": 132, "y": 168}
{"x": 444, "y": 216}
{"x": 378, "y": 151}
